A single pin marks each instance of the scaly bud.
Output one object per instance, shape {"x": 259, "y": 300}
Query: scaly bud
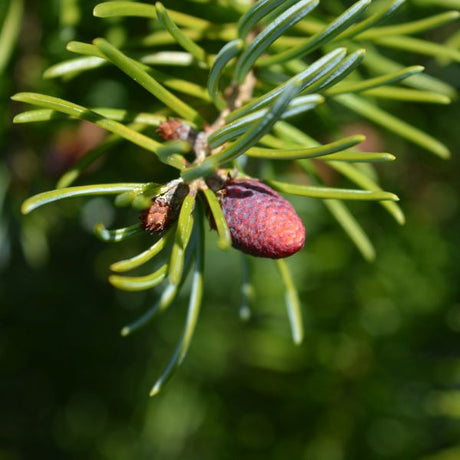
{"x": 164, "y": 209}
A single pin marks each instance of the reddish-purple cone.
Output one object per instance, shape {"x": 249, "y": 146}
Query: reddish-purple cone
{"x": 262, "y": 223}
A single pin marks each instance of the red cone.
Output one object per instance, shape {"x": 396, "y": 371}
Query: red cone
{"x": 262, "y": 223}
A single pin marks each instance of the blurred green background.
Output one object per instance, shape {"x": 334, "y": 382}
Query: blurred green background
{"x": 378, "y": 376}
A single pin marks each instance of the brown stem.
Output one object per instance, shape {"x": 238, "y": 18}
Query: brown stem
{"x": 238, "y": 95}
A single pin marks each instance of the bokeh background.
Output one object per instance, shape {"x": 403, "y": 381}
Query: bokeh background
{"x": 378, "y": 376}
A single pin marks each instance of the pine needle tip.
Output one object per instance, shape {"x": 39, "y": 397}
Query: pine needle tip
{"x": 114, "y": 280}
{"x": 444, "y": 153}
{"x": 25, "y": 208}
{"x": 98, "y": 41}
{"x": 155, "y": 390}
{"x": 400, "y": 218}
{"x": 114, "y": 267}
{"x": 223, "y": 244}
{"x": 369, "y": 255}
{"x": 297, "y": 339}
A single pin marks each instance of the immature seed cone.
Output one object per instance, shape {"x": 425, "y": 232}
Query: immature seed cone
{"x": 262, "y": 223}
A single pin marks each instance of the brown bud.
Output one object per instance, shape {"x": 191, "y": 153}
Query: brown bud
{"x": 164, "y": 210}
{"x": 172, "y": 129}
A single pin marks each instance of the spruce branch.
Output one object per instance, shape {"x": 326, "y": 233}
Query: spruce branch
{"x": 279, "y": 61}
